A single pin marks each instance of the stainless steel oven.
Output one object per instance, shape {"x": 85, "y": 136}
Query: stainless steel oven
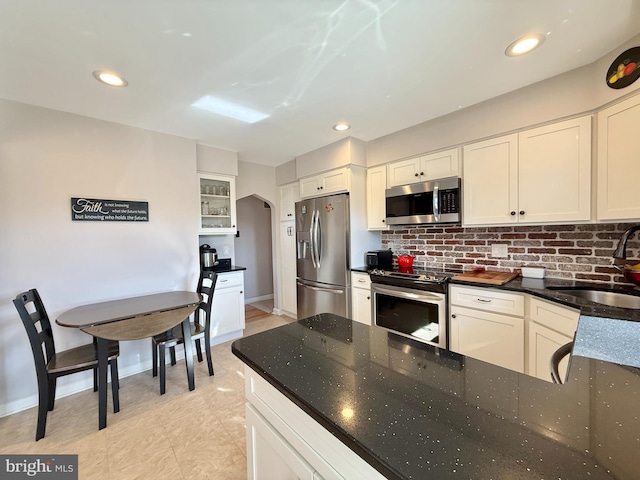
{"x": 412, "y": 307}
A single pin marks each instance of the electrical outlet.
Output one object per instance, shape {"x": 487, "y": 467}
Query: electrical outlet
{"x": 499, "y": 250}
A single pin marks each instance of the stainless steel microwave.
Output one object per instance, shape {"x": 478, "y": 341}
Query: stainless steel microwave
{"x": 435, "y": 201}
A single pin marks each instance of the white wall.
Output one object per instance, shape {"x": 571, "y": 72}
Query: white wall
{"x": 254, "y": 247}
{"x": 572, "y": 93}
{"x": 46, "y": 157}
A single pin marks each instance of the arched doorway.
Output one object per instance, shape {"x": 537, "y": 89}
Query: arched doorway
{"x": 253, "y": 247}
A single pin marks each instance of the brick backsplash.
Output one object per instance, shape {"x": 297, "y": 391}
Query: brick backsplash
{"x": 574, "y": 252}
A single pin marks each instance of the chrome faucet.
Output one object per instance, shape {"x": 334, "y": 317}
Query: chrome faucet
{"x": 621, "y": 249}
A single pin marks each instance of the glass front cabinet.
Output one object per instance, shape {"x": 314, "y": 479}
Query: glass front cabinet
{"x": 217, "y": 204}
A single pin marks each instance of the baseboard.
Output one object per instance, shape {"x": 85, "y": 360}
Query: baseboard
{"x": 258, "y": 299}
{"x": 80, "y": 382}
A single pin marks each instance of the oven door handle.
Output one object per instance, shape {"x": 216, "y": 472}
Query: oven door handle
{"x": 422, "y": 296}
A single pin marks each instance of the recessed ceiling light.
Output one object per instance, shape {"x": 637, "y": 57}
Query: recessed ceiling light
{"x": 525, "y": 45}
{"x": 110, "y": 78}
{"x": 341, "y": 127}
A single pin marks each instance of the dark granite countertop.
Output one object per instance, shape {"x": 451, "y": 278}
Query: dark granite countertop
{"x": 423, "y": 412}
{"x": 232, "y": 268}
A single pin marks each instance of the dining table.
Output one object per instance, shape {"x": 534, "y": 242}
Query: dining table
{"x": 133, "y": 318}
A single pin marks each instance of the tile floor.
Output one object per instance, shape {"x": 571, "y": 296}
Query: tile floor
{"x": 180, "y": 435}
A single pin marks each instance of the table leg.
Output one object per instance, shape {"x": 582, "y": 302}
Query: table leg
{"x": 103, "y": 360}
{"x": 188, "y": 352}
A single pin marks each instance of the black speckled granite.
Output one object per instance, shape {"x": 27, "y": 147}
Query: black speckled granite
{"x": 422, "y": 412}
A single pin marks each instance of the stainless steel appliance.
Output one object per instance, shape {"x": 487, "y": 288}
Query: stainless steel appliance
{"x": 436, "y": 201}
{"x": 322, "y": 244}
{"x": 413, "y": 304}
{"x": 208, "y": 257}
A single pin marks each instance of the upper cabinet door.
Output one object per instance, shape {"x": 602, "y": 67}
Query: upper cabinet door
{"x": 440, "y": 165}
{"x": 289, "y": 195}
{"x": 490, "y": 184}
{"x": 376, "y": 206}
{"x": 555, "y": 172}
{"x": 217, "y": 204}
{"x": 619, "y": 161}
{"x": 404, "y": 172}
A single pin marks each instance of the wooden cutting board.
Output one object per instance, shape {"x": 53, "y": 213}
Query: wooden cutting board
{"x": 493, "y": 278}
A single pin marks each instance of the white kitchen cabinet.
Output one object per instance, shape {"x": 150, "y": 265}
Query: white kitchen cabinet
{"x": 549, "y": 326}
{"x": 289, "y": 195}
{"x": 217, "y": 204}
{"x": 269, "y": 455}
{"x": 287, "y": 272}
{"x": 540, "y": 175}
{"x": 427, "y": 167}
{"x": 227, "y": 308}
{"x": 361, "y": 297}
{"x": 334, "y": 181}
{"x": 301, "y": 444}
{"x": 618, "y": 166}
{"x": 480, "y": 333}
{"x": 376, "y": 204}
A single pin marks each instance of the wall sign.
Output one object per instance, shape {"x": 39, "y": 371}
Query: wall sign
{"x": 93, "y": 209}
{"x": 625, "y": 69}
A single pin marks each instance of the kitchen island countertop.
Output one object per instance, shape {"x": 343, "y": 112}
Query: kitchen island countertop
{"x": 423, "y": 412}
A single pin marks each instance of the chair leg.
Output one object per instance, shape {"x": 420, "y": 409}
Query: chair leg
{"x": 207, "y": 351}
{"x": 154, "y": 359}
{"x": 51, "y": 390}
{"x": 95, "y": 379}
{"x": 43, "y": 407}
{"x": 163, "y": 378}
{"x": 199, "y": 350}
{"x": 172, "y": 354}
{"x": 115, "y": 385}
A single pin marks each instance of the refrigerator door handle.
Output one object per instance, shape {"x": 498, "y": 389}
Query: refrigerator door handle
{"x": 318, "y": 240}
{"x": 311, "y": 239}
{"x": 337, "y": 291}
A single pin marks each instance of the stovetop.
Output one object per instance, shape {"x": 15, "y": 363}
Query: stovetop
{"x": 412, "y": 278}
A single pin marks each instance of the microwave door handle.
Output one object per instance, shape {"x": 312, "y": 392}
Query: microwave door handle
{"x": 436, "y": 202}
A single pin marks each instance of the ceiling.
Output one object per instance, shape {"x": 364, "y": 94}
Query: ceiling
{"x": 381, "y": 65}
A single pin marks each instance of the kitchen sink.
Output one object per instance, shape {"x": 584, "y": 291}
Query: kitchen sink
{"x": 613, "y": 299}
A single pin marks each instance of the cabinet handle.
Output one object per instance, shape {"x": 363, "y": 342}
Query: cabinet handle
{"x": 421, "y": 173}
{"x": 368, "y": 298}
{"x": 241, "y": 291}
{"x": 383, "y": 220}
{"x": 453, "y": 315}
{"x": 521, "y": 212}
{"x": 483, "y": 300}
{"x": 513, "y": 213}
{"x": 416, "y": 175}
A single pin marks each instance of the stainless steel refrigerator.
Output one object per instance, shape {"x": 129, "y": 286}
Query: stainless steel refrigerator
{"x": 322, "y": 244}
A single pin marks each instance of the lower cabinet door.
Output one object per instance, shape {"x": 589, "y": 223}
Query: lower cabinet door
{"x": 269, "y": 456}
{"x": 227, "y": 311}
{"x": 493, "y": 338}
{"x": 361, "y": 305}
{"x": 543, "y": 342}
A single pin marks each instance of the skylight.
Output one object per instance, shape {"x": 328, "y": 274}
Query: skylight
{"x": 229, "y": 109}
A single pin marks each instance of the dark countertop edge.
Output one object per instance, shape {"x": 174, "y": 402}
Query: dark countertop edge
{"x": 342, "y": 436}
{"x": 233, "y": 268}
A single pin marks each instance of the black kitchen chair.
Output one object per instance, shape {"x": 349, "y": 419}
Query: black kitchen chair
{"x": 199, "y": 330}
{"x": 556, "y": 358}
{"x": 51, "y": 364}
